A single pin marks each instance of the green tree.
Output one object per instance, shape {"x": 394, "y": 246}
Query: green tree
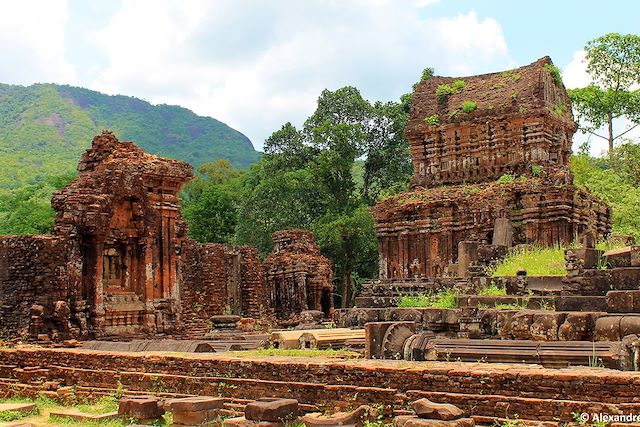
{"x": 212, "y": 216}
{"x": 613, "y": 62}
{"x": 388, "y": 162}
{"x": 210, "y": 202}
{"x": 606, "y": 183}
{"x": 350, "y": 241}
{"x": 626, "y": 159}
{"x": 27, "y": 210}
{"x": 276, "y": 201}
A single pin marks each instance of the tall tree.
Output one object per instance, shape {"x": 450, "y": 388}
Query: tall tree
{"x": 613, "y": 62}
{"x": 210, "y": 202}
{"x": 349, "y": 240}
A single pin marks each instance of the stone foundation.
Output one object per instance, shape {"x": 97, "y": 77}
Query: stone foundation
{"x": 479, "y": 389}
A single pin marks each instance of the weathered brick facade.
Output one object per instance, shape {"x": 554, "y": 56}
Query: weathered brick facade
{"x": 506, "y": 157}
{"x": 298, "y": 276}
{"x": 120, "y": 261}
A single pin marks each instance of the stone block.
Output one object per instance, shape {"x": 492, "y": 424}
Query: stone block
{"x": 23, "y": 408}
{"x": 353, "y": 418}
{"x": 608, "y": 328}
{"x": 84, "y": 416}
{"x": 629, "y": 256}
{"x": 545, "y": 325}
{"x": 629, "y": 325}
{"x": 276, "y": 410}
{"x": 424, "y": 408}
{"x": 467, "y": 254}
{"x": 623, "y": 301}
{"x": 502, "y": 232}
{"x": 243, "y": 422}
{"x": 196, "y": 403}
{"x": 578, "y": 327}
{"x": 413, "y": 421}
{"x": 195, "y": 418}
{"x": 521, "y": 325}
{"x": 141, "y": 408}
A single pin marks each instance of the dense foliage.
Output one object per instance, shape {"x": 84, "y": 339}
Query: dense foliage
{"x": 348, "y": 154}
{"x": 615, "y": 183}
{"x": 44, "y": 129}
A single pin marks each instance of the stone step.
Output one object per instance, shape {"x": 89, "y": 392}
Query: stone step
{"x": 547, "y": 353}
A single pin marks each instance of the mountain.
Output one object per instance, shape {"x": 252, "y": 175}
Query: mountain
{"x": 44, "y": 128}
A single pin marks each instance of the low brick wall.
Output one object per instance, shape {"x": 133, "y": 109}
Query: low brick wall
{"x": 480, "y": 389}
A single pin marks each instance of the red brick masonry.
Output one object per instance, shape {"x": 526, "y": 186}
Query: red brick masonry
{"x": 480, "y": 389}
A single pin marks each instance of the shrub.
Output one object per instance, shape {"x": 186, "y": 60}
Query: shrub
{"x": 506, "y": 179}
{"x": 492, "y": 290}
{"x": 458, "y": 85}
{"x": 432, "y": 120}
{"x": 443, "y": 92}
{"x": 536, "y": 261}
{"x": 555, "y": 73}
{"x": 560, "y": 109}
{"x": 468, "y": 106}
{"x": 536, "y": 170}
{"x": 443, "y": 299}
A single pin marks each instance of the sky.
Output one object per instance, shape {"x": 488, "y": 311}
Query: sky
{"x": 257, "y": 64}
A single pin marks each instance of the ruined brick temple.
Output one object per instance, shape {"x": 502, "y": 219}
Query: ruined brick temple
{"x": 486, "y": 149}
{"x": 120, "y": 262}
{"x": 298, "y": 276}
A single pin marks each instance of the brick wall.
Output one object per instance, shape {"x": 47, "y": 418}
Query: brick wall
{"x": 480, "y": 389}
{"x": 32, "y": 271}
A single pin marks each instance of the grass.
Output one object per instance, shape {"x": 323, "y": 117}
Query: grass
{"x": 102, "y": 406}
{"x": 492, "y": 290}
{"x": 432, "y": 120}
{"x": 279, "y": 352}
{"x": 520, "y": 306}
{"x": 443, "y": 299}
{"x": 45, "y": 405}
{"x": 506, "y": 179}
{"x": 536, "y": 261}
{"x": 468, "y": 106}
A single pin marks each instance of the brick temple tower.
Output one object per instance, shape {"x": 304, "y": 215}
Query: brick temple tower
{"x": 487, "y": 147}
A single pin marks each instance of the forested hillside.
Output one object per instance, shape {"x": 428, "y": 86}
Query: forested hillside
{"x": 44, "y": 128}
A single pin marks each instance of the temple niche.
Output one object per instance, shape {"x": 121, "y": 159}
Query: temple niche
{"x": 299, "y": 277}
{"x": 486, "y": 150}
{"x": 120, "y": 263}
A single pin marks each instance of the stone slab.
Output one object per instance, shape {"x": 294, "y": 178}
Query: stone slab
{"x": 83, "y": 416}
{"x": 275, "y": 410}
{"x": 23, "y": 408}
{"x": 196, "y": 403}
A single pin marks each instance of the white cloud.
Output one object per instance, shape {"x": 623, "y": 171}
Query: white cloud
{"x": 575, "y": 73}
{"x": 256, "y": 65}
{"x": 32, "y": 42}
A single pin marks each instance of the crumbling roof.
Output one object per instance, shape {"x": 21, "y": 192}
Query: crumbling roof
{"x": 108, "y": 153}
{"x": 530, "y": 89}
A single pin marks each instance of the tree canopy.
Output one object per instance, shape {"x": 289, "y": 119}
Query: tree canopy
{"x": 613, "y": 62}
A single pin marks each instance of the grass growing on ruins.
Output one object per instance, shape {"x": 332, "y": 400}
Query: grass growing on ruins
{"x": 46, "y": 405}
{"x": 279, "y": 352}
{"x": 443, "y": 299}
{"x": 492, "y": 290}
{"x": 536, "y": 261}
